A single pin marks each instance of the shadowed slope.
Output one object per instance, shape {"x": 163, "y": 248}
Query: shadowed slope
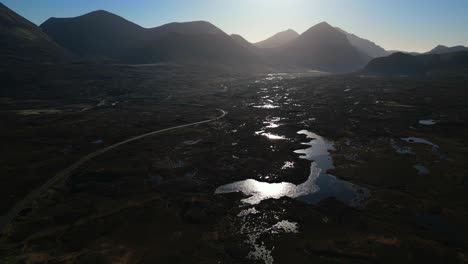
{"x": 98, "y": 34}
{"x": 366, "y": 46}
{"x": 401, "y": 63}
{"x": 324, "y": 48}
{"x": 22, "y": 40}
{"x": 102, "y": 35}
{"x": 444, "y": 49}
{"x": 196, "y": 42}
{"x": 279, "y": 39}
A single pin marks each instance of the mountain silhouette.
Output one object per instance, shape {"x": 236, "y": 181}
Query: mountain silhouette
{"x": 366, "y": 46}
{"x": 402, "y": 63}
{"x": 245, "y": 43}
{"x": 279, "y": 39}
{"x": 97, "y": 35}
{"x": 440, "y": 49}
{"x": 322, "y": 47}
{"x": 22, "y": 40}
{"x": 103, "y": 35}
{"x": 188, "y": 28}
{"x": 195, "y": 47}
{"x": 402, "y": 51}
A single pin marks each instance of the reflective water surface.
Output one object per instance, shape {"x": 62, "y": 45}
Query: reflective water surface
{"x": 418, "y": 140}
{"x": 259, "y": 225}
{"x": 427, "y": 122}
{"x": 318, "y": 186}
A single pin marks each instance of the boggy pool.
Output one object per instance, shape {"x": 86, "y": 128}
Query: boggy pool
{"x": 318, "y": 186}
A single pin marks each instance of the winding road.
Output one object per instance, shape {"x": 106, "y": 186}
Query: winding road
{"x": 5, "y": 220}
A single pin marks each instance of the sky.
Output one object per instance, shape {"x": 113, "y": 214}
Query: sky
{"x": 409, "y": 25}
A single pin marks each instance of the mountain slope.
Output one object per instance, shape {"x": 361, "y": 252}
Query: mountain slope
{"x": 196, "y": 42}
{"x": 278, "y": 40}
{"x": 440, "y": 49}
{"x": 402, "y": 51}
{"x": 103, "y": 35}
{"x": 22, "y": 40}
{"x": 366, "y": 46}
{"x": 242, "y": 41}
{"x": 247, "y": 45}
{"x": 324, "y": 48}
{"x": 98, "y": 34}
{"x": 401, "y": 63}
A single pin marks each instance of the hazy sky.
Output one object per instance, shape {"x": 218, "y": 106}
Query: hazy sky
{"x": 411, "y": 25}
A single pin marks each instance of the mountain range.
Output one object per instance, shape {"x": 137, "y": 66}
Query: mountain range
{"x": 103, "y": 36}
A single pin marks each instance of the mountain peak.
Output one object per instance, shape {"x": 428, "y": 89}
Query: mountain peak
{"x": 440, "y": 49}
{"x": 189, "y": 28}
{"x": 195, "y": 23}
{"x": 323, "y": 47}
{"x": 98, "y": 14}
{"x": 291, "y": 31}
{"x": 279, "y": 39}
{"x": 93, "y": 19}
{"x": 324, "y": 28}
{"x": 323, "y": 24}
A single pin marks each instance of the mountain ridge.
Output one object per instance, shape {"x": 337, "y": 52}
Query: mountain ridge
{"x": 279, "y": 39}
{"x": 365, "y": 45}
{"x": 407, "y": 64}
{"x": 323, "y": 47}
{"x": 105, "y": 36}
{"x": 441, "y": 49}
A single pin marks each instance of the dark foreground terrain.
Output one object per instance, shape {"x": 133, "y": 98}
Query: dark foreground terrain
{"x": 398, "y": 147}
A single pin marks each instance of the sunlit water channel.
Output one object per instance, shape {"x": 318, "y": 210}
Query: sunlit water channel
{"x": 258, "y": 225}
{"x": 318, "y": 186}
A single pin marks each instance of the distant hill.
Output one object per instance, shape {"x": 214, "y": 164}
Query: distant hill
{"x": 324, "y": 48}
{"x": 366, "y": 46}
{"x": 22, "y": 40}
{"x": 401, "y": 63}
{"x": 278, "y": 40}
{"x": 402, "y": 51}
{"x": 440, "y": 49}
{"x": 103, "y": 35}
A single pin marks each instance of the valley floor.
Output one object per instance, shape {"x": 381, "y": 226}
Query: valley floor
{"x": 397, "y": 143}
